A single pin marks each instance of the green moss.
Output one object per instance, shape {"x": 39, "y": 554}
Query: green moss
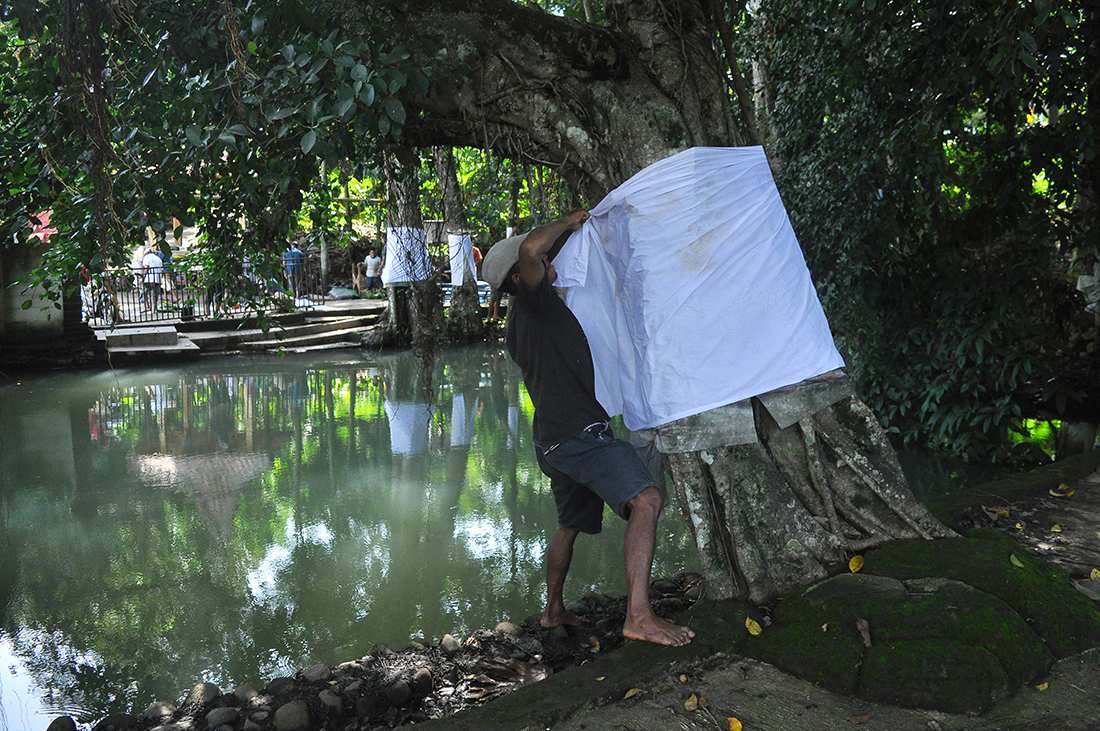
{"x": 1042, "y": 594}
{"x": 853, "y": 422}
{"x": 815, "y": 635}
{"x": 934, "y": 673}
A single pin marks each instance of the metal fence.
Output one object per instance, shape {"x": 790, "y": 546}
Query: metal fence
{"x": 136, "y": 295}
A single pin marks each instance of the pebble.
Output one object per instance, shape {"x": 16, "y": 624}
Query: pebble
{"x": 422, "y": 681}
{"x": 158, "y": 709}
{"x": 317, "y": 673}
{"x": 399, "y": 693}
{"x": 382, "y": 650}
{"x": 184, "y": 725}
{"x": 353, "y": 687}
{"x": 250, "y": 725}
{"x": 245, "y": 692}
{"x": 62, "y": 723}
{"x": 202, "y": 693}
{"x": 280, "y": 686}
{"x": 332, "y": 701}
{"x": 616, "y": 595}
{"x": 508, "y": 628}
{"x": 595, "y": 599}
{"x": 259, "y": 716}
{"x": 449, "y": 644}
{"x": 220, "y": 716}
{"x": 293, "y": 716}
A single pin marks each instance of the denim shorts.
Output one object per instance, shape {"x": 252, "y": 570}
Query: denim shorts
{"x": 589, "y": 470}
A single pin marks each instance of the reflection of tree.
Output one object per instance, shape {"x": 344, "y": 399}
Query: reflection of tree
{"x": 156, "y": 568}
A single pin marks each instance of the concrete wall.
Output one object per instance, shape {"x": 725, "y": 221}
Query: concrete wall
{"x": 41, "y": 319}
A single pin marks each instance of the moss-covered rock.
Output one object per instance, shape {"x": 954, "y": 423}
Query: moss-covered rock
{"x": 1043, "y": 595}
{"x": 926, "y": 636}
{"x": 937, "y": 673}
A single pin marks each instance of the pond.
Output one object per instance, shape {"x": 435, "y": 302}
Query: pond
{"x": 238, "y": 519}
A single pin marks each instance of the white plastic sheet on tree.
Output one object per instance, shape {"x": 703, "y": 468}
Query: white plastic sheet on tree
{"x": 692, "y": 290}
{"x": 461, "y": 251}
{"x": 406, "y": 256}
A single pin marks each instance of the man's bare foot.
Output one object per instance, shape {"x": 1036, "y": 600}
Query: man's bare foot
{"x": 658, "y": 631}
{"x": 554, "y": 619}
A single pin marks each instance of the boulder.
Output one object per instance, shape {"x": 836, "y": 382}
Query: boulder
{"x": 202, "y": 693}
{"x": 292, "y": 716}
{"x": 220, "y": 716}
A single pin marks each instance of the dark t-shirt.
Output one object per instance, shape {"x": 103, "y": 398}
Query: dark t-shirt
{"x": 547, "y": 342}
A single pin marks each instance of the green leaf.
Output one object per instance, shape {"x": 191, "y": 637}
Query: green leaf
{"x": 367, "y": 94}
{"x": 282, "y": 113}
{"x": 257, "y": 24}
{"x": 194, "y": 135}
{"x": 309, "y": 139}
{"x": 239, "y": 129}
{"x": 343, "y": 107}
{"x": 227, "y": 139}
{"x": 1015, "y": 561}
{"x": 359, "y": 72}
{"x": 394, "y": 110}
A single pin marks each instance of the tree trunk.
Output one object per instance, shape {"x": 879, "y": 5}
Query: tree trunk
{"x": 414, "y": 306}
{"x": 464, "y": 321}
{"x": 781, "y": 489}
{"x": 773, "y": 500}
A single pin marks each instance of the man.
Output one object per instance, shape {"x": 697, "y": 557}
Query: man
{"x": 292, "y": 261}
{"x": 586, "y": 465}
{"x": 372, "y": 266}
{"x": 153, "y": 266}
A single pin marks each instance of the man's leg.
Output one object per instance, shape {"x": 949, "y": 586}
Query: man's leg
{"x": 641, "y": 538}
{"x": 558, "y": 557}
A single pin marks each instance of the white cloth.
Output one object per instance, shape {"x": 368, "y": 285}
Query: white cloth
{"x": 462, "y": 420}
{"x": 692, "y": 290}
{"x": 410, "y": 426}
{"x": 406, "y": 256}
{"x": 461, "y": 251}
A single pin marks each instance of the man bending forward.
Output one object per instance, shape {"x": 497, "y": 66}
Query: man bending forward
{"x": 575, "y": 448}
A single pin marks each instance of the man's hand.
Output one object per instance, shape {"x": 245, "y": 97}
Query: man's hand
{"x": 575, "y": 218}
{"x": 542, "y": 245}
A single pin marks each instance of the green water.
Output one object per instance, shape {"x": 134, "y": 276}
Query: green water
{"x": 238, "y": 519}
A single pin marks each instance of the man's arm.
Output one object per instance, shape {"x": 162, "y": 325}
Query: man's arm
{"x": 543, "y": 244}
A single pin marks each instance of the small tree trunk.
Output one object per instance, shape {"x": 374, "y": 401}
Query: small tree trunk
{"x": 464, "y": 321}
{"x": 414, "y": 309}
{"x": 796, "y": 501}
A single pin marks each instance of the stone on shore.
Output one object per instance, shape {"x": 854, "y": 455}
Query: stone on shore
{"x": 333, "y": 702}
{"x": 62, "y": 723}
{"x": 202, "y": 693}
{"x": 158, "y": 709}
{"x": 316, "y": 674}
{"x": 245, "y": 692}
{"x": 220, "y": 716}
{"x": 115, "y": 722}
{"x": 449, "y": 644}
{"x": 292, "y": 716}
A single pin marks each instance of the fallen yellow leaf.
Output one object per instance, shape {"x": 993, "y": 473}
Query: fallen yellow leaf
{"x": 752, "y": 626}
{"x": 1015, "y": 561}
{"x": 1042, "y": 686}
{"x": 632, "y": 692}
{"x": 704, "y": 702}
{"x": 1059, "y": 493}
{"x": 1021, "y": 525}
{"x": 1056, "y": 528}
{"x": 692, "y": 703}
{"x": 734, "y": 724}
{"x": 1095, "y": 574}
{"x": 683, "y": 678}
{"x": 601, "y": 677}
{"x": 855, "y": 564}
{"x": 595, "y": 646}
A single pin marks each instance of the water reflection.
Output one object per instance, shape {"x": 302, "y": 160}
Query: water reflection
{"x": 243, "y": 518}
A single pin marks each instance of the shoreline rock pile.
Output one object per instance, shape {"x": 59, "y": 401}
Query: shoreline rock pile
{"x": 387, "y": 688}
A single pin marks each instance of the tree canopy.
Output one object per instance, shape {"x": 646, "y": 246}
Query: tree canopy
{"x": 937, "y": 159}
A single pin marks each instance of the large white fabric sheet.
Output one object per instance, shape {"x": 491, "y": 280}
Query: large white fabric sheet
{"x": 406, "y": 256}
{"x": 692, "y": 290}
{"x": 461, "y": 250}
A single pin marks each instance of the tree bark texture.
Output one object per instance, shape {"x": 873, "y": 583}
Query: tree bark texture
{"x": 464, "y": 321}
{"x": 412, "y": 315}
{"x": 598, "y": 103}
{"x": 792, "y": 502}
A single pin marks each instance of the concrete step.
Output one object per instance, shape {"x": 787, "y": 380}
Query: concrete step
{"x": 140, "y": 337}
{"x": 247, "y": 339}
{"x": 352, "y": 336}
{"x": 182, "y": 348}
